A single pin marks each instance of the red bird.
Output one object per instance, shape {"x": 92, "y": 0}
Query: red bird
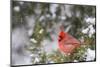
{"x": 67, "y": 43}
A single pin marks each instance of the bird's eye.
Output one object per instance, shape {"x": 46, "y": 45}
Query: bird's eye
{"x": 60, "y": 38}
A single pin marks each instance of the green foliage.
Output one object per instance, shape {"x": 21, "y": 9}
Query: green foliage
{"x": 38, "y": 36}
{"x": 78, "y": 55}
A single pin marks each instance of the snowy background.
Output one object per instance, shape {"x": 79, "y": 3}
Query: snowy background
{"x": 35, "y": 28}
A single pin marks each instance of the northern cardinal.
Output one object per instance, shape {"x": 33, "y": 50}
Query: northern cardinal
{"x": 67, "y": 43}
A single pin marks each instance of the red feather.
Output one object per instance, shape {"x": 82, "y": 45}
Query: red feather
{"x": 67, "y": 43}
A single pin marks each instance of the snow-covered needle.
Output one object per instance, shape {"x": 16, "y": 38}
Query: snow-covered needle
{"x": 17, "y": 8}
{"x": 41, "y": 31}
{"x": 33, "y": 40}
